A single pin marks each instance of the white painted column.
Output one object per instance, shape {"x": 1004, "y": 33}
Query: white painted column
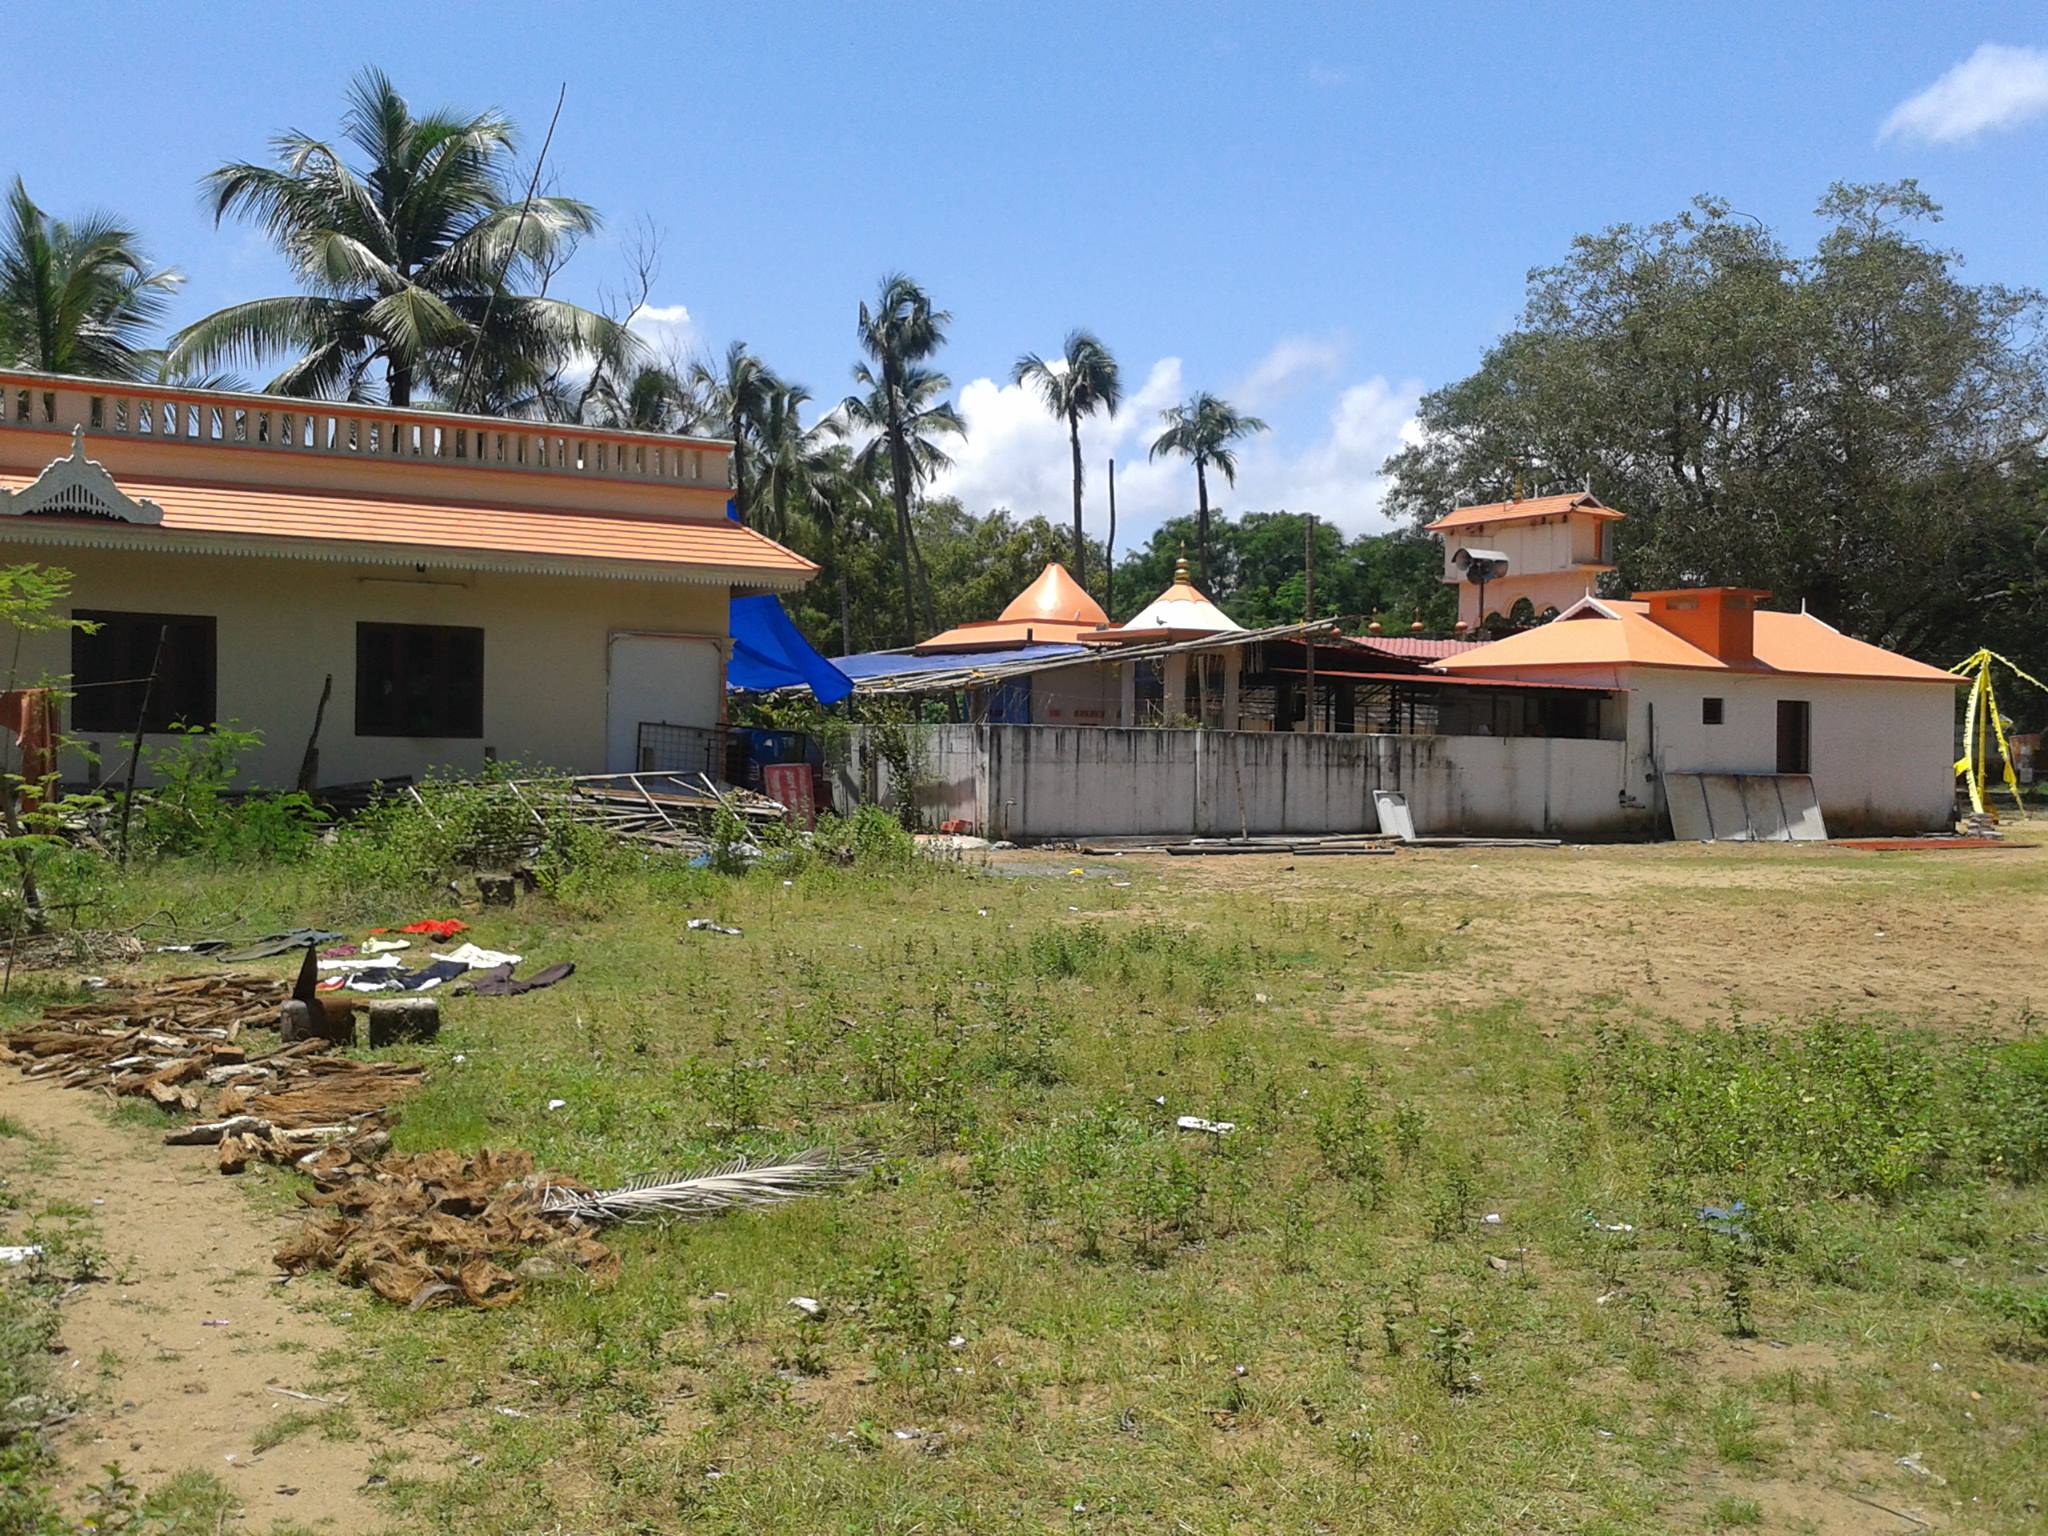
{"x": 1175, "y": 701}
{"x": 1233, "y": 660}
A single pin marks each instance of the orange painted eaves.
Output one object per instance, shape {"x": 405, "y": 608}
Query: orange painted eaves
{"x": 1793, "y": 644}
{"x": 1527, "y": 510}
{"x": 261, "y": 513}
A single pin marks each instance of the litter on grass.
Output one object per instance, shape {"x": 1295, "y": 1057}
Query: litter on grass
{"x": 1213, "y": 1127}
{"x": 706, "y": 925}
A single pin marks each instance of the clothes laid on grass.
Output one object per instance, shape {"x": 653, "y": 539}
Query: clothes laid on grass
{"x": 353, "y": 964}
{"x": 479, "y": 959}
{"x": 498, "y": 980}
{"x": 433, "y": 927}
{"x": 275, "y": 944}
{"x": 428, "y": 977}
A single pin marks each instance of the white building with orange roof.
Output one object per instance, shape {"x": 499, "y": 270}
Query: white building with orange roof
{"x": 1718, "y": 687}
{"x": 452, "y": 588}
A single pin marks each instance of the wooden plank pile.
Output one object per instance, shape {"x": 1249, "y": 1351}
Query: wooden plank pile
{"x": 180, "y": 1043}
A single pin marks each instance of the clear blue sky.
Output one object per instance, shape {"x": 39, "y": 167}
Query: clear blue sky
{"x": 1321, "y": 209}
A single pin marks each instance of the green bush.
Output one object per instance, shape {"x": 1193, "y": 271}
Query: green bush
{"x": 194, "y": 812}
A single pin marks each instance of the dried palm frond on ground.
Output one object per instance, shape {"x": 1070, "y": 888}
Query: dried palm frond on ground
{"x": 726, "y": 1187}
{"x": 438, "y": 1229}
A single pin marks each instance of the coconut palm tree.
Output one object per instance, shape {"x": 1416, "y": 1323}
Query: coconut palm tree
{"x": 409, "y": 258}
{"x": 838, "y": 490}
{"x": 653, "y": 397}
{"x": 1079, "y": 382}
{"x": 77, "y": 298}
{"x": 903, "y": 404}
{"x": 1201, "y": 429}
{"x": 737, "y": 391}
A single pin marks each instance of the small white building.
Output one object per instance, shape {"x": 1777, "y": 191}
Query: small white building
{"x": 1716, "y": 685}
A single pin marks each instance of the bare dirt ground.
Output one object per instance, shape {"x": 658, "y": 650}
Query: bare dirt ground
{"x": 1689, "y": 933}
{"x": 177, "y": 1353}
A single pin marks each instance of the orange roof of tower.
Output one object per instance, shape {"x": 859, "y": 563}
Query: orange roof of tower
{"x": 1527, "y": 509}
{"x": 1056, "y": 596}
{"x": 1054, "y": 609}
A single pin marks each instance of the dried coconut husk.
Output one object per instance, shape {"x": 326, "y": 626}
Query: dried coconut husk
{"x": 437, "y": 1228}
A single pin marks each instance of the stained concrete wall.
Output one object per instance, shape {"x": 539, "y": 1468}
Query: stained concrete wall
{"x": 1030, "y": 783}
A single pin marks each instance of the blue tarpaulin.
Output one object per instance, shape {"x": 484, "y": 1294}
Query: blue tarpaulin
{"x": 904, "y": 663}
{"x": 769, "y": 652}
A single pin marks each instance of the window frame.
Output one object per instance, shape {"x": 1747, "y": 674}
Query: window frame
{"x": 1713, "y": 709}
{"x": 380, "y": 642}
{"x": 97, "y": 705}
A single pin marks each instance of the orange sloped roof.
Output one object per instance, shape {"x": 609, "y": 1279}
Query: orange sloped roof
{"x": 1055, "y": 608}
{"x": 1523, "y": 511}
{"x": 1057, "y": 596}
{"x": 519, "y": 536}
{"x": 1793, "y": 643}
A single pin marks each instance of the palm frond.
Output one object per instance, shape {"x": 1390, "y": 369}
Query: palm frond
{"x": 728, "y": 1186}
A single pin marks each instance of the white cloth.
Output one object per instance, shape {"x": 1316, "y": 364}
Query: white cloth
{"x": 385, "y": 946}
{"x": 353, "y": 963}
{"x": 479, "y": 959}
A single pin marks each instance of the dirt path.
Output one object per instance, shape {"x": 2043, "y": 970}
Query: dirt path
{"x": 173, "y": 1388}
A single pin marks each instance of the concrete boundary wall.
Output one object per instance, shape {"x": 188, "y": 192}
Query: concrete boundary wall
{"x": 1035, "y": 782}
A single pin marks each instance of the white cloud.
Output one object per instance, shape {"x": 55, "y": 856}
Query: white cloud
{"x": 1329, "y": 76}
{"x": 667, "y": 329}
{"x": 1293, "y": 362}
{"x": 1998, "y": 86}
{"x": 1015, "y": 454}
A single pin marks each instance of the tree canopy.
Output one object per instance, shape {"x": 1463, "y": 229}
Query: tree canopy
{"x": 1857, "y": 427}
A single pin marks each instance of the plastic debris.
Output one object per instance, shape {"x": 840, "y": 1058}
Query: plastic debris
{"x": 1725, "y": 1219}
{"x": 555, "y": 1104}
{"x": 810, "y": 1306}
{"x": 20, "y": 1253}
{"x": 1212, "y": 1127}
{"x": 706, "y": 925}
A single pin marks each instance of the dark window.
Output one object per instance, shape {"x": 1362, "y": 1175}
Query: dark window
{"x": 110, "y": 670}
{"x": 1795, "y": 736}
{"x": 419, "y": 680}
{"x": 1710, "y": 711}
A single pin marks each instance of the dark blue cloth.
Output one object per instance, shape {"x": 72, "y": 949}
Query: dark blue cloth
{"x": 769, "y": 652}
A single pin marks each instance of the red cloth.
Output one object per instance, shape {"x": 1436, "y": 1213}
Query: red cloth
{"x": 31, "y": 713}
{"x": 435, "y": 927}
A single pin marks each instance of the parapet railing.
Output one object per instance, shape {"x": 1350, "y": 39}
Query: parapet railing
{"x": 364, "y": 432}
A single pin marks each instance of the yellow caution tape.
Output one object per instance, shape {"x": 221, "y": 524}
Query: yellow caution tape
{"x": 1983, "y": 705}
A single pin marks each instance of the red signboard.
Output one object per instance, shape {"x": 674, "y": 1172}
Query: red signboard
{"x": 791, "y": 784}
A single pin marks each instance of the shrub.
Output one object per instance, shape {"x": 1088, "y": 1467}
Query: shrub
{"x": 195, "y": 812}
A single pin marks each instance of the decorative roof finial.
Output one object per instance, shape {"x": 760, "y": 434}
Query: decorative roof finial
{"x": 1180, "y": 572}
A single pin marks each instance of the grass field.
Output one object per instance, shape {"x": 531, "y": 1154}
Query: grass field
{"x": 1449, "y": 1272}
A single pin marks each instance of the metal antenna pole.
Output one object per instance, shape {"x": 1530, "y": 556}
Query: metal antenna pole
{"x": 518, "y": 229}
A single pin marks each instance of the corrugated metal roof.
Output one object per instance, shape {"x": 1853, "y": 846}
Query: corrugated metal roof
{"x": 886, "y": 664}
{"x": 976, "y": 670}
{"x": 1416, "y": 646}
{"x": 296, "y": 520}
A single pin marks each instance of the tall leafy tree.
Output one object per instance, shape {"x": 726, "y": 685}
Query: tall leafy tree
{"x": 903, "y": 403}
{"x": 78, "y": 298}
{"x": 411, "y": 257}
{"x": 1856, "y": 427}
{"x": 1082, "y": 380}
{"x": 738, "y": 390}
{"x": 652, "y": 397}
{"x": 1202, "y": 429}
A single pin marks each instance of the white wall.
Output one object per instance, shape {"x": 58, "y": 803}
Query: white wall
{"x": 1030, "y": 783}
{"x": 1883, "y": 752}
{"x": 283, "y": 625}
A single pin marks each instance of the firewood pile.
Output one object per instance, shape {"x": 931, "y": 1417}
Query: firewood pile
{"x": 437, "y": 1228}
{"x": 180, "y": 1043}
